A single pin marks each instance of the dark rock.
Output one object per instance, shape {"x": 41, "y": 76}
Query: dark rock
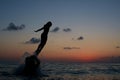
{"x": 32, "y": 66}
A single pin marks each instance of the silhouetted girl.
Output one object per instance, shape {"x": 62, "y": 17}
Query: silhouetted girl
{"x": 45, "y": 29}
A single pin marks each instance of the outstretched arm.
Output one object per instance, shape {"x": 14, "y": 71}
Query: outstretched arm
{"x": 39, "y": 29}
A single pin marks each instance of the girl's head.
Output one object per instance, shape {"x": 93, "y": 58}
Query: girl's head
{"x": 49, "y": 23}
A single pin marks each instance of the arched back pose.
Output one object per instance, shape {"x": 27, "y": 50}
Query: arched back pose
{"x": 45, "y": 29}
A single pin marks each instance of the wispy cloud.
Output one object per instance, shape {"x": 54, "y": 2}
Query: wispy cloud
{"x": 33, "y": 41}
{"x": 67, "y": 30}
{"x": 13, "y": 27}
{"x": 56, "y": 29}
{"x": 70, "y": 48}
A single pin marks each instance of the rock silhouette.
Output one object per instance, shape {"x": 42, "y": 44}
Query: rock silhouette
{"x": 32, "y": 64}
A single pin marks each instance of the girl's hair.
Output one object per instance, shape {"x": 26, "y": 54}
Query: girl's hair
{"x": 49, "y": 23}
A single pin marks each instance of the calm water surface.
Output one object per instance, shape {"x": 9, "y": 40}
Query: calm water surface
{"x": 62, "y": 71}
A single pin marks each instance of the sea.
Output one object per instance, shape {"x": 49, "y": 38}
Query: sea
{"x": 66, "y": 71}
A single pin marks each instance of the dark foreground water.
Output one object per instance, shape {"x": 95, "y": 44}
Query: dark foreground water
{"x": 62, "y": 71}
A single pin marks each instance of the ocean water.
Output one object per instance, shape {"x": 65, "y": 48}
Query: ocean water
{"x": 66, "y": 71}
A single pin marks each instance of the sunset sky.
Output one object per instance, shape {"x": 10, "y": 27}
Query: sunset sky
{"x": 82, "y": 30}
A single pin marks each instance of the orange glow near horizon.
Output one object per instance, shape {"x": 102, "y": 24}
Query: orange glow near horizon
{"x": 69, "y": 57}
{"x": 57, "y": 57}
{"x": 55, "y": 53}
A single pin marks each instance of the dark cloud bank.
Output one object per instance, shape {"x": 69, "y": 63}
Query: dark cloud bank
{"x": 13, "y": 27}
{"x": 112, "y": 59}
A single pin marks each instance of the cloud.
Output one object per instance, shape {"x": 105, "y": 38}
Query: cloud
{"x": 70, "y": 48}
{"x": 117, "y": 46}
{"x": 56, "y": 29}
{"x": 110, "y": 59}
{"x": 80, "y": 38}
{"x": 33, "y": 41}
{"x": 67, "y": 30}
{"x": 13, "y": 27}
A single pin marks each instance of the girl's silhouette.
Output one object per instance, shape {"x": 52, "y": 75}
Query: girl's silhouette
{"x": 45, "y": 29}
